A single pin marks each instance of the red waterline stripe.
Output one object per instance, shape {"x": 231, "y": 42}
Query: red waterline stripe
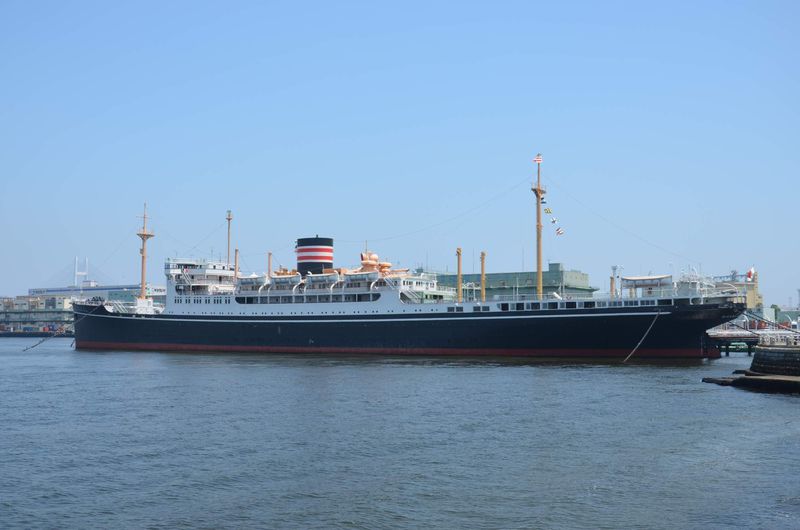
{"x": 606, "y": 353}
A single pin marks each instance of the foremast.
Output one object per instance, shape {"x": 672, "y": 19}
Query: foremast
{"x": 144, "y": 234}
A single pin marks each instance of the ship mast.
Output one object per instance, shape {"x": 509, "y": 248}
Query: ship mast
{"x": 145, "y": 235}
{"x": 229, "y": 218}
{"x": 539, "y": 192}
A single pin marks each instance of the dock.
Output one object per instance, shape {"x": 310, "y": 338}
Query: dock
{"x": 775, "y": 366}
{"x": 785, "y": 384}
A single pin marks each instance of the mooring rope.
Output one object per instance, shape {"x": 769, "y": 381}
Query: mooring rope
{"x": 642, "y": 339}
{"x": 744, "y": 328}
{"x": 59, "y": 332}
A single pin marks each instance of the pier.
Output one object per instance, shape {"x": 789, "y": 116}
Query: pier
{"x": 725, "y": 338}
{"x": 775, "y": 366}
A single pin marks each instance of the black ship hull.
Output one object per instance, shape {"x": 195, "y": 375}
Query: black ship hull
{"x": 664, "y": 332}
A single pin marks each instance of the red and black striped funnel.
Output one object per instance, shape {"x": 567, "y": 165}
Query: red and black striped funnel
{"x": 314, "y": 254}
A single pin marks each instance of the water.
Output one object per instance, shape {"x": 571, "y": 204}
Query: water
{"x": 154, "y": 440}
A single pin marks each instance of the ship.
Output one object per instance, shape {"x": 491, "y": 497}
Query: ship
{"x": 376, "y": 309}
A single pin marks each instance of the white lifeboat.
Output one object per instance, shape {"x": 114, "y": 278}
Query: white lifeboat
{"x": 323, "y": 277}
{"x": 285, "y": 277}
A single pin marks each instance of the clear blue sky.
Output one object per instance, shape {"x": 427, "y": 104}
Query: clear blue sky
{"x": 670, "y": 134}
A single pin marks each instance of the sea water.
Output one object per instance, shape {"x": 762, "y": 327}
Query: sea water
{"x": 163, "y": 440}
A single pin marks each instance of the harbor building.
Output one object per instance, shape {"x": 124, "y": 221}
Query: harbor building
{"x": 556, "y": 279}
{"x": 747, "y": 284}
{"x": 50, "y": 308}
{"x": 90, "y": 288}
{"x": 33, "y": 314}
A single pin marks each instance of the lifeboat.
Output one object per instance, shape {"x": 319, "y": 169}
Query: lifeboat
{"x": 285, "y": 277}
{"x": 323, "y": 277}
{"x": 362, "y": 276}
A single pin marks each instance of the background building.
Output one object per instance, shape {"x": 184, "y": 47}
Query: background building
{"x": 50, "y": 308}
{"x": 745, "y": 285}
{"x": 556, "y": 279}
{"x": 90, "y": 288}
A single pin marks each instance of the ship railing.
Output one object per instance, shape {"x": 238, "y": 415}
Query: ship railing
{"x": 696, "y": 297}
{"x": 779, "y": 338}
{"x": 120, "y": 307}
{"x": 411, "y": 297}
{"x": 186, "y": 281}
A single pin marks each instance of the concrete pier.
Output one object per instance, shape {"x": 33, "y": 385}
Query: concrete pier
{"x": 775, "y": 368}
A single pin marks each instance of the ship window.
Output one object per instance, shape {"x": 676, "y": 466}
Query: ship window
{"x": 451, "y": 309}
{"x": 630, "y": 303}
{"x": 486, "y": 308}
{"x": 336, "y": 298}
{"x": 363, "y": 297}
{"x": 286, "y": 299}
{"x": 615, "y": 303}
{"x": 476, "y": 309}
{"x": 311, "y": 299}
{"x": 552, "y": 305}
{"x": 240, "y": 300}
{"x": 375, "y": 296}
{"x": 601, "y": 304}
{"x": 588, "y": 305}
{"x": 520, "y": 306}
{"x": 349, "y": 298}
{"x": 535, "y": 306}
{"x": 665, "y": 302}
{"x": 503, "y": 307}
{"x": 459, "y": 309}
{"x": 571, "y": 305}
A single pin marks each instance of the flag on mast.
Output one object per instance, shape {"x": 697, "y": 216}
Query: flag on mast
{"x": 538, "y": 158}
{"x": 750, "y": 276}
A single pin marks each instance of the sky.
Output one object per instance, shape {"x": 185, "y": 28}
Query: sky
{"x": 670, "y": 134}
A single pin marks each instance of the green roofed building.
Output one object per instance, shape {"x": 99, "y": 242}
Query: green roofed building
{"x": 556, "y": 279}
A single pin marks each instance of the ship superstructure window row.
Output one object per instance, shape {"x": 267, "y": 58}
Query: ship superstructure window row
{"x": 308, "y": 299}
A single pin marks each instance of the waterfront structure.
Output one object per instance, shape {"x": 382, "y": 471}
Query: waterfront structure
{"x": 34, "y": 313}
{"x": 746, "y": 283}
{"x": 89, "y": 289}
{"x": 556, "y": 279}
{"x": 50, "y": 308}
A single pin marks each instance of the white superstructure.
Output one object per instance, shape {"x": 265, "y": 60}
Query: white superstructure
{"x": 203, "y": 287}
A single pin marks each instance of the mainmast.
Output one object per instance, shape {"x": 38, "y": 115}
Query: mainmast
{"x": 145, "y": 235}
{"x": 539, "y": 192}
{"x": 229, "y": 218}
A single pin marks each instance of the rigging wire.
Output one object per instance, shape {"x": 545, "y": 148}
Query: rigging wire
{"x": 449, "y": 219}
{"x": 618, "y": 226}
{"x": 213, "y": 231}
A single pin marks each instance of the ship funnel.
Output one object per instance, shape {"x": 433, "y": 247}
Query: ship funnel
{"x": 314, "y": 254}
